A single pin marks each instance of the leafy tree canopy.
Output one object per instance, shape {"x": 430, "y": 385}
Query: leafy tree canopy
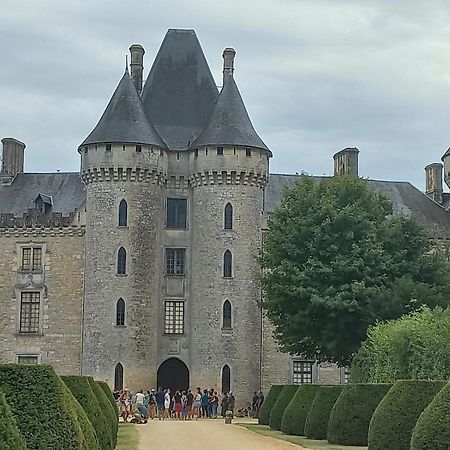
{"x": 337, "y": 260}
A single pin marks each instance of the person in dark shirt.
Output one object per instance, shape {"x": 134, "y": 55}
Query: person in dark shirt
{"x": 159, "y": 397}
{"x": 204, "y": 403}
{"x": 189, "y": 402}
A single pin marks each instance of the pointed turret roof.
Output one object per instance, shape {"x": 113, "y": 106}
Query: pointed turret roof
{"x": 180, "y": 91}
{"x": 229, "y": 123}
{"x": 124, "y": 119}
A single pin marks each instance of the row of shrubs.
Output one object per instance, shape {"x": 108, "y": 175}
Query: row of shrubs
{"x": 40, "y": 410}
{"x": 408, "y": 415}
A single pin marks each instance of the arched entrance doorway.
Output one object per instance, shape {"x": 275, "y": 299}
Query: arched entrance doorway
{"x": 173, "y": 374}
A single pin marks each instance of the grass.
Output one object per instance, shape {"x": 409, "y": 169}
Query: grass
{"x": 298, "y": 440}
{"x": 128, "y": 437}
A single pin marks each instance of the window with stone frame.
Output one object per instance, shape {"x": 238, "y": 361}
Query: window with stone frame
{"x": 121, "y": 261}
{"x": 120, "y": 312}
{"x": 228, "y": 217}
{"x": 176, "y": 213}
{"x": 123, "y": 213}
{"x": 175, "y": 261}
{"x": 227, "y": 264}
{"x": 226, "y": 315}
{"x": 31, "y": 258}
{"x": 302, "y": 372}
{"x": 174, "y": 317}
{"x": 30, "y": 303}
{"x": 27, "y": 359}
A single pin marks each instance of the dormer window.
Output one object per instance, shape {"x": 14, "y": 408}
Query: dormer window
{"x": 44, "y": 203}
{"x": 108, "y": 147}
{"x": 220, "y": 150}
{"x": 139, "y": 148}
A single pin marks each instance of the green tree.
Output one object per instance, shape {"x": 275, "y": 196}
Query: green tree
{"x": 337, "y": 260}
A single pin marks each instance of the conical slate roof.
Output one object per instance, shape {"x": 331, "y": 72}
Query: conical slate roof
{"x": 180, "y": 91}
{"x": 229, "y": 123}
{"x": 124, "y": 119}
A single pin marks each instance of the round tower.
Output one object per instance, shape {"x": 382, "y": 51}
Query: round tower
{"x": 229, "y": 166}
{"x": 124, "y": 164}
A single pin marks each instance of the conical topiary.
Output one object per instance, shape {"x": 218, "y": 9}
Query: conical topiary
{"x": 269, "y": 401}
{"x": 10, "y": 437}
{"x": 276, "y": 414}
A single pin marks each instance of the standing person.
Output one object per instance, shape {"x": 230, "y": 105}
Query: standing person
{"x": 255, "y": 401}
{"x": 260, "y": 402}
{"x": 178, "y": 406}
{"x": 184, "y": 405}
{"x": 139, "y": 399}
{"x": 197, "y": 403}
{"x": 159, "y": 396}
{"x": 125, "y": 404}
{"x": 166, "y": 404}
{"x": 214, "y": 405}
{"x": 152, "y": 404}
{"x": 224, "y": 404}
{"x": 231, "y": 402}
{"x": 210, "y": 403}
{"x": 204, "y": 403}
{"x": 189, "y": 403}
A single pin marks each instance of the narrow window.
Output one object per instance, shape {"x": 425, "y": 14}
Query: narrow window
{"x": 175, "y": 261}
{"x": 220, "y": 150}
{"x": 124, "y": 147}
{"x": 174, "y": 318}
{"x": 123, "y": 213}
{"x": 226, "y": 321}
{"x": 121, "y": 261}
{"x": 36, "y": 263}
{"x": 108, "y": 147}
{"x": 120, "y": 312}
{"x": 27, "y": 359}
{"x": 178, "y": 156}
{"x": 139, "y": 148}
{"x": 196, "y": 152}
{"x": 176, "y": 213}
{"x": 226, "y": 379}
{"x": 29, "y": 312}
{"x": 248, "y": 152}
{"x": 118, "y": 377}
{"x": 227, "y": 264}
{"x": 85, "y": 149}
{"x": 228, "y": 222}
{"x": 26, "y": 258}
{"x": 302, "y": 372}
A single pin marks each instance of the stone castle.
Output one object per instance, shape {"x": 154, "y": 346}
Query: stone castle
{"x": 142, "y": 269}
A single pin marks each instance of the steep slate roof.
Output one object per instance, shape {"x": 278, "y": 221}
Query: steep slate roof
{"x": 180, "y": 91}
{"x": 229, "y": 123}
{"x": 405, "y": 197}
{"x": 66, "y": 189}
{"x": 124, "y": 119}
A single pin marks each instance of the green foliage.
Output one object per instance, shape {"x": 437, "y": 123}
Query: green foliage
{"x": 10, "y": 437}
{"x": 294, "y": 416}
{"x": 107, "y": 409}
{"x": 110, "y": 396}
{"x": 351, "y": 414}
{"x": 276, "y": 413}
{"x": 396, "y": 415}
{"x": 269, "y": 401}
{"x": 46, "y": 412}
{"x": 336, "y": 261}
{"x": 316, "y": 424}
{"x": 432, "y": 430}
{"x": 82, "y": 391}
{"x": 416, "y": 346}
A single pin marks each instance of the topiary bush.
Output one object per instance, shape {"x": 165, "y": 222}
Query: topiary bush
{"x": 10, "y": 437}
{"x": 45, "y": 410}
{"x": 316, "y": 424}
{"x": 432, "y": 430}
{"x": 395, "y": 417}
{"x": 106, "y": 408}
{"x": 351, "y": 414}
{"x": 269, "y": 401}
{"x": 82, "y": 391}
{"x": 110, "y": 396}
{"x": 294, "y": 416}
{"x": 276, "y": 413}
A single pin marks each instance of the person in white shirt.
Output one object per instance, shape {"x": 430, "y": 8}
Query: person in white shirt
{"x": 139, "y": 398}
{"x": 166, "y": 404}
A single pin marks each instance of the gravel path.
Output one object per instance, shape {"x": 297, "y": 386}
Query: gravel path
{"x": 204, "y": 434}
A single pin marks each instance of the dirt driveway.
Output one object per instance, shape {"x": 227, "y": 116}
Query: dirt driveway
{"x": 204, "y": 434}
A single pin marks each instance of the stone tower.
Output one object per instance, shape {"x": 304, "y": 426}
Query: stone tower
{"x": 124, "y": 165}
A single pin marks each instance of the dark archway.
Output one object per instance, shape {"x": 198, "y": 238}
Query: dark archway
{"x": 173, "y": 374}
{"x": 118, "y": 377}
{"x": 226, "y": 379}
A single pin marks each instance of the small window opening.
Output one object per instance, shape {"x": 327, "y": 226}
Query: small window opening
{"x": 118, "y": 377}
{"x": 178, "y": 156}
{"x": 121, "y": 261}
{"x": 226, "y": 315}
{"x": 123, "y": 213}
{"x": 226, "y": 379}
{"x": 220, "y": 150}
{"x": 120, "y": 312}
{"x": 248, "y": 152}
{"x": 227, "y": 264}
{"x": 124, "y": 147}
{"x": 196, "y": 152}
{"x": 108, "y": 147}
{"x": 139, "y": 148}
{"x": 206, "y": 151}
{"x": 228, "y": 220}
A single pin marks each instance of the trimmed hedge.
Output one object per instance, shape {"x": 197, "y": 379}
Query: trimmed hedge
{"x": 432, "y": 430}
{"x": 106, "y": 408}
{"x": 269, "y": 401}
{"x": 351, "y": 414}
{"x": 294, "y": 416}
{"x": 316, "y": 424}
{"x": 46, "y": 412}
{"x": 276, "y": 414}
{"x": 395, "y": 417}
{"x": 109, "y": 394}
{"x": 82, "y": 391}
{"x": 10, "y": 437}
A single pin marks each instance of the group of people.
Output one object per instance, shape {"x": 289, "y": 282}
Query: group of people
{"x": 181, "y": 405}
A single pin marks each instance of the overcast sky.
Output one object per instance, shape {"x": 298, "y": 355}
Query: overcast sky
{"x": 316, "y": 76}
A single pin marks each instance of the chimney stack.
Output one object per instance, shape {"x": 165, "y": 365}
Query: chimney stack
{"x": 434, "y": 185}
{"x": 13, "y": 156}
{"x": 228, "y": 63}
{"x": 137, "y": 65}
{"x": 346, "y": 162}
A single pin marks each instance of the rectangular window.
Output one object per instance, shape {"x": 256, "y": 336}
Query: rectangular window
{"x": 248, "y": 152}
{"x": 27, "y": 359}
{"x": 346, "y": 375}
{"x": 108, "y": 147}
{"x": 31, "y": 258}
{"x": 220, "y": 150}
{"x": 302, "y": 372}
{"x": 174, "y": 318}
{"x": 176, "y": 213}
{"x": 139, "y": 148}
{"x": 175, "y": 261}
{"x": 29, "y": 312}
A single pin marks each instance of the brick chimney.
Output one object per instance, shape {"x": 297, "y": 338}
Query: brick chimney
{"x": 346, "y": 162}
{"x": 434, "y": 185}
{"x": 228, "y": 63}
{"x": 13, "y": 157}
{"x": 137, "y": 65}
